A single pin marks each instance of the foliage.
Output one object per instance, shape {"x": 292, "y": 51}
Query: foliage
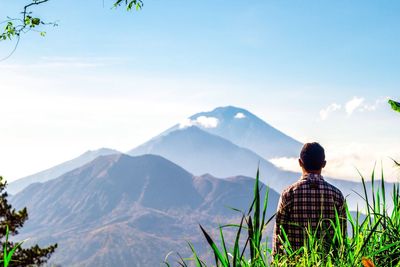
{"x": 14, "y": 27}
{"x": 373, "y": 240}
{"x": 10, "y": 221}
{"x": 27, "y": 22}
{"x": 8, "y": 254}
{"x": 137, "y": 4}
{"x": 395, "y": 105}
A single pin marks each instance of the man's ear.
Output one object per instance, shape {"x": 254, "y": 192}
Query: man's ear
{"x": 324, "y": 164}
{"x": 301, "y": 163}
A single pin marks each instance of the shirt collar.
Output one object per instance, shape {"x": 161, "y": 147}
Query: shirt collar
{"x": 312, "y": 176}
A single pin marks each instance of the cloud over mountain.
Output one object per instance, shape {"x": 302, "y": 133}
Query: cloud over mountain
{"x": 245, "y": 130}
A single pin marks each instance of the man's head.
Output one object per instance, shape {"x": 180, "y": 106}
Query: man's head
{"x": 312, "y": 158}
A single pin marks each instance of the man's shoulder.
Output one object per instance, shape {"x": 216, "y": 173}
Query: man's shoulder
{"x": 301, "y": 184}
{"x": 293, "y": 187}
{"x": 334, "y": 188}
{"x": 296, "y": 185}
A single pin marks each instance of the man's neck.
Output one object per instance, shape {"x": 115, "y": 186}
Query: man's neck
{"x": 311, "y": 172}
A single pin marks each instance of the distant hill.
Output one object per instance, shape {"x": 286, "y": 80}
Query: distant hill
{"x": 56, "y": 171}
{"x": 129, "y": 211}
{"x": 245, "y": 129}
{"x": 200, "y": 152}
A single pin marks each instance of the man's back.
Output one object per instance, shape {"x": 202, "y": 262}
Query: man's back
{"x": 310, "y": 203}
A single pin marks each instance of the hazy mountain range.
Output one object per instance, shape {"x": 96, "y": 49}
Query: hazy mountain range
{"x": 129, "y": 211}
{"x": 105, "y": 208}
{"x": 200, "y": 152}
{"x": 56, "y": 171}
{"x": 201, "y": 149}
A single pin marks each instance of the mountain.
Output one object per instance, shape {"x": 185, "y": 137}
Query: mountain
{"x": 244, "y": 129}
{"x": 237, "y": 125}
{"x": 56, "y": 171}
{"x": 130, "y": 211}
{"x": 200, "y": 152}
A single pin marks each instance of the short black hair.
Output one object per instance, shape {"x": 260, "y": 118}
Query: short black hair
{"x": 313, "y": 156}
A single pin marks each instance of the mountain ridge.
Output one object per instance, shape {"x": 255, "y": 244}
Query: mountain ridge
{"x": 244, "y": 129}
{"x": 201, "y": 152}
{"x": 57, "y": 170}
{"x": 96, "y": 209}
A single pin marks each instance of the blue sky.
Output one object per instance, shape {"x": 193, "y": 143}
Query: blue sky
{"x": 112, "y": 78}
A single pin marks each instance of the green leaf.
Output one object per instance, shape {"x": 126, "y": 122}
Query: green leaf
{"x": 223, "y": 243}
{"x": 395, "y": 105}
{"x": 217, "y": 253}
{"x": 196, "y": 258}
{"x": 11, "y": 253}
{"x": 236, "y": 247}
{"x": 5, "y": 257}
{"x": 35, "y": 21}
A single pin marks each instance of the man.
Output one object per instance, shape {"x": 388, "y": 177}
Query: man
{"x": 309, "y": 204}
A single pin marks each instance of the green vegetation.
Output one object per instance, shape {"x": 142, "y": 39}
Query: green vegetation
{"x": 10, "y": 221}
{"x": 14, "y": 27}
{"x": 27, "y": 21}
{"x": 373, "y": 240}
{"x": 395, "y": 105}
{"x": 8, "y": 254}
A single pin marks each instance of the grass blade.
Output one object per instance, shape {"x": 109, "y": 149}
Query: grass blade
{"x": 236, "y": 246}
{"x": 217, "y": 253}
{"x": 223, "y": 244}
{"x": 196, "y": 258}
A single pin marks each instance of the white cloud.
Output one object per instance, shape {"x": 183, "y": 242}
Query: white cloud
{"x": 324, "y": 113}
{"x": 344, "y": 160}
{"x": 203, "y": 121}
{"x": 287, "y": 164}
{"x": 354, "y": 104}
{"x": 358, "y": 104}
{"x": 185, "y": 123}
{"x": 374, "y": 106}
{"x": 240, "y": 115}
{"x": 207, "y": 122}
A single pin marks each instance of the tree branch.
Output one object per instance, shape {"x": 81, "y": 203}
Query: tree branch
{"x": 35, "y": 3}
{"x": 17, "y": 26}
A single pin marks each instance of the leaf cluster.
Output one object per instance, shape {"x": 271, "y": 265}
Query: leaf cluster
{"x": 130, "y": 4}
{"x": 27, "y": 22}
{"x": 395, "y": 105}
{"x": 16, "y": 26}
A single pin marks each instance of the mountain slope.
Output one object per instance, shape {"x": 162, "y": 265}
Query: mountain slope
{"x": 244, "y": 129}
{"x": 200, "y": 152}
{"x": 56, "y": 171}
{"x": 129, "y": 211}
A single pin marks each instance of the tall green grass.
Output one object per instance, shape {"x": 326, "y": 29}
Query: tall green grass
{"x": 373, "y": 239}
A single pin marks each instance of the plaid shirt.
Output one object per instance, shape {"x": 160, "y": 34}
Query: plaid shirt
{"x": 302, "y": 205}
